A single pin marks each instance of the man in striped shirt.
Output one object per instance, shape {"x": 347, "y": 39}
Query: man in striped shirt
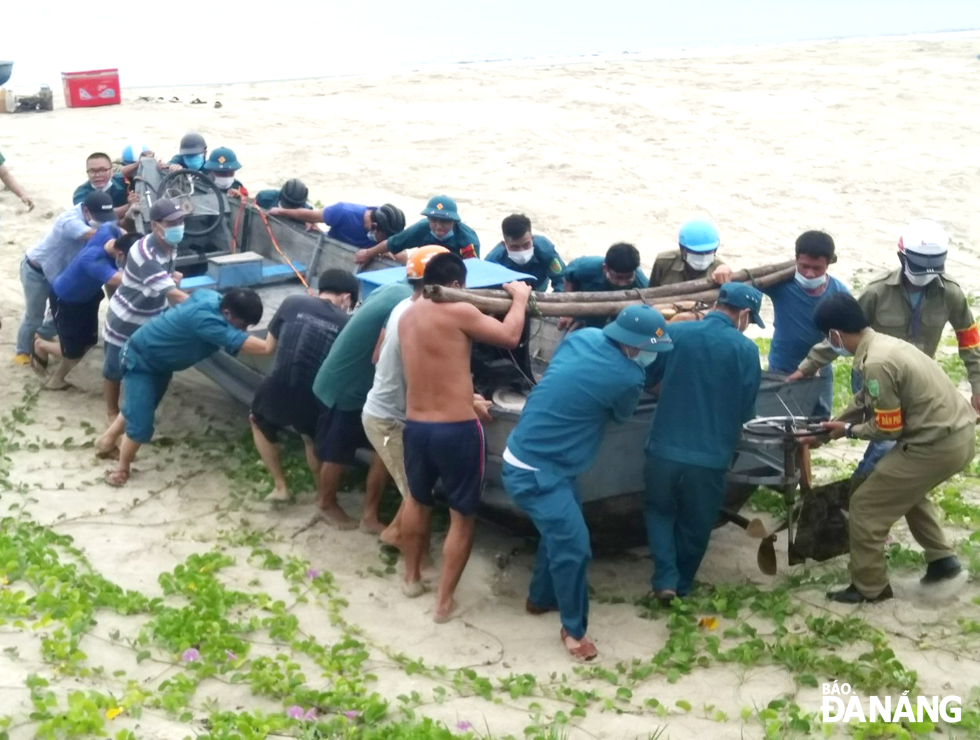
{"x": 149, "y": 283}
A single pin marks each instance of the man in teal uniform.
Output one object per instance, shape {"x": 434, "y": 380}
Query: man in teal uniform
{"x": 193, "y": 150}
{"x": 441, "y": 226}
{"x": 595, "y": 375}
{"x": 174, "y": 341}
{"x": 342, "y": 385}
{"x": 98, "y": 167}
{"x": 710, "y": 383}
{"x": 293, "y": 194}
{"x": 529, "y": 253}
{"x": 221, "y": 167}
{"x": 618, "y": 270}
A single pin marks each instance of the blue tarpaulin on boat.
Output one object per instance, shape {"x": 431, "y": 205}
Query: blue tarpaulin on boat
{"x": 479, "y": 274}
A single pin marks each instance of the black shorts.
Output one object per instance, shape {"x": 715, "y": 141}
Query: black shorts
{"x": 278, "y": 406}
{"x": 451, "y": 451}
{"x": 77, "y": 325}
{"x": 339, "y": 434}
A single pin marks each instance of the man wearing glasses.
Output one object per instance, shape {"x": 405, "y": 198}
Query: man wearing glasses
{"x": 98, "y": 166}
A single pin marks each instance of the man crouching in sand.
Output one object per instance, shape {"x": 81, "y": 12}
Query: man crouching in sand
{"x": 443, "y": 438}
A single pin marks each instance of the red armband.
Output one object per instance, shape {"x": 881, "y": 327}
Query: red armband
{"x": 968, "y": 338}
{"x": 468, "y": 252}
{"x": 889, "y": 420}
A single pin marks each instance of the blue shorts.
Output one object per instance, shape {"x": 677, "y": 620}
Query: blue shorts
{"x": 112, "y": 368}
{"x": 142, "y": 393}
{"x": 451, "y": 451}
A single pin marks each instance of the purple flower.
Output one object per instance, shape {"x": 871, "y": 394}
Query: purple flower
{"x": 295, "y": 712}
{"x": 310, "y": 714}
{"x": 312, "y": 573}
{"x": 190, "y": 655}
{"x": 231, "y": 655}
{"x": 463, "y": 725}
{"x": 352, "y": 714}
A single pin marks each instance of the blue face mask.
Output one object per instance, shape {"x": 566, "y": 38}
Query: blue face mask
{"x": 173, "y": 234}
{"x": 645, "y": 359}
{"x": 193, "y": 161}
{"x": 441, "y": 238}
{"x": 810, "y": 283}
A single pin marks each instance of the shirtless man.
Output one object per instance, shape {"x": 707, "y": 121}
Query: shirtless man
{"x": 443, "y": 438}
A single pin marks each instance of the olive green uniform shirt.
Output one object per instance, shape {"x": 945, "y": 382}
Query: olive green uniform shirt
{"x": 889, "y": 310}
{"x": 904, "y": 394}
{"x": 669, "y": 268}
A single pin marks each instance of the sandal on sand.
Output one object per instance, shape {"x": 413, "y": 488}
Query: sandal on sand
{"x": 585, "y": 652}
{"x": 117, "y": 478}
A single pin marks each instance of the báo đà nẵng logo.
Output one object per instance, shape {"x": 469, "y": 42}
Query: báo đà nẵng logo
{"x": 840, "y": 704}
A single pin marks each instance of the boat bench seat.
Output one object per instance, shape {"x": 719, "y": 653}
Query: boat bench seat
{"x": 271, "y": 273}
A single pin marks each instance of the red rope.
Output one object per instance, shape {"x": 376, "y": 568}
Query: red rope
{"x": 238, "y": 222}
{"x": 281, "y": 253}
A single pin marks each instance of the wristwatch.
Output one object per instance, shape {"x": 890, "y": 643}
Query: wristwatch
{"x": 847, "y": 431}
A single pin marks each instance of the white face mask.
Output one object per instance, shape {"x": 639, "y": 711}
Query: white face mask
{"x": 841, "y": 350}
{"x": 810, "y": 283}
{"x": 224, "y": 182}
{"x": 105, "y": 188}
{"x": 699, "y": 261}
{"x": 920, "y": 281}
{"x": 522, "y": 257}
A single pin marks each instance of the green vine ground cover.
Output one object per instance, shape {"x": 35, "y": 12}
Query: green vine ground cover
{"x": 229, "y": 627}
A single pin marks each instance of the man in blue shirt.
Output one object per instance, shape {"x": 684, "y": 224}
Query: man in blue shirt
{"x": 351, "y": 223}
{"x": 173, "y": 341}
{"x": 794, "y": 333}
{"x": 45, "y": 261}
{"x": 98, "y": 167}
{"x": 75, "y": 297}
{"x": 618, "y": 270}
{"x": 441, "y": 226}
{"x": 529, "y": 253}
{"x": 710, "y": 383}
{"x": 595, "y": 376}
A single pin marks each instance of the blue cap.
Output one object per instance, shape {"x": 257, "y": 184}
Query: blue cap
{"x": 222, "y": 159}
{"x": 642, "y": 327}
{"x": 740, "y": 295}
{"x": 443, "y": 207}
{"x": 698, "y": 235}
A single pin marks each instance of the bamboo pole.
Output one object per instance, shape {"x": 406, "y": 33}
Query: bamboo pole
{"x": 499, "y": 306}
{"x": 690, "y": 287}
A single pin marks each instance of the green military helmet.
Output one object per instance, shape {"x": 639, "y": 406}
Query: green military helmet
{"x": 222, "y": 159}
{"x": 442, "y": 207}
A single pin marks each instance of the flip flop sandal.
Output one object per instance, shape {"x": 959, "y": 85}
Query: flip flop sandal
{"x": 117, "y": 478}
{"x": 198, "y": 101}
{"x": 584, "y": 653}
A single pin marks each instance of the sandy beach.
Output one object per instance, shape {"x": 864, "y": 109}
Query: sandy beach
{"x": 856, "y": 138}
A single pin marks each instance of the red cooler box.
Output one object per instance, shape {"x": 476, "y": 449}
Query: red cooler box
{"x": 88, "y": 89}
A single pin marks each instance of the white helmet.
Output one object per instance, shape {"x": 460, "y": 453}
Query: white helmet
{"x": 924, "y": 244}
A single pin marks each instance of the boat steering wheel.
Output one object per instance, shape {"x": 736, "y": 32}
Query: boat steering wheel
{"x": 197, "y": 195}
{"x": 793, "y": 427}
